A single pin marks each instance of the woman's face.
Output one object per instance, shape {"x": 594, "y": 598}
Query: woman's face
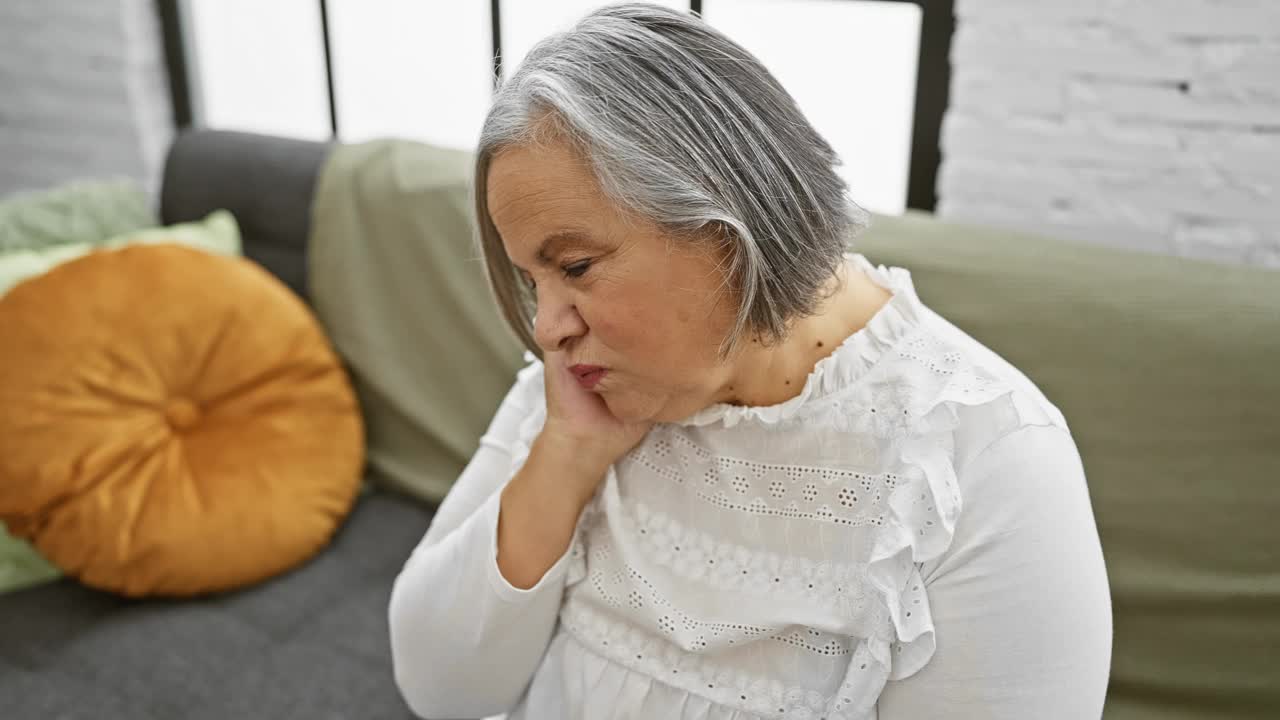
{"x": 612, "y": 289}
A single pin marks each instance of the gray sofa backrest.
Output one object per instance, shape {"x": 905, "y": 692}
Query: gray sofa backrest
{"x": 266, "y": 182}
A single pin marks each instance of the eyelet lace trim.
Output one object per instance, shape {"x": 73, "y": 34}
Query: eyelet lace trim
{"x": 700, "y": 557}
{"x": 828, "y": 495}
{"x": 701, "y": 675}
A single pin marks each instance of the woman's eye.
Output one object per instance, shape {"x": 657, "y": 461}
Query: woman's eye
{"x": 577, "y": 269}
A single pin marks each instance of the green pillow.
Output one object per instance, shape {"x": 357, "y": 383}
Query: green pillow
{"x": 20, "y": 565}
{"x": 217, "y": 233}
{"x": 80, "y": 212}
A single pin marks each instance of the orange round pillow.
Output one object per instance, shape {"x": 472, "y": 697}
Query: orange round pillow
{"x": 172, "y": 422}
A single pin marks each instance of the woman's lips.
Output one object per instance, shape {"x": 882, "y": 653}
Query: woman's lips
{"x": 588, "y": 375}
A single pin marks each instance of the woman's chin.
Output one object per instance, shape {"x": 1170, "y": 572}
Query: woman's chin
{"x": 631, "y": 409}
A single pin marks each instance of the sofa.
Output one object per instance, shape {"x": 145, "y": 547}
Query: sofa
{"x": 1167, "y": 369}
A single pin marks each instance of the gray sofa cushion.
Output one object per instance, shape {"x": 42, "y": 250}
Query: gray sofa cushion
{"x": 310, "y": 644}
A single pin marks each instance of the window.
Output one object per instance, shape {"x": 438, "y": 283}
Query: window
{"x": 411, "y": 69}
{"x": 258, "y": 66}
{"x": 851, "y": 67}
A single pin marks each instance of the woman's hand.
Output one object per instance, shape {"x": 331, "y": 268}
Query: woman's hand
{"x": 568, "y": 461}
{"x": 579, "y": 423}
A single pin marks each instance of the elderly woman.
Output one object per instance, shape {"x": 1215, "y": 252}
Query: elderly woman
{"x": 751, "y": 476}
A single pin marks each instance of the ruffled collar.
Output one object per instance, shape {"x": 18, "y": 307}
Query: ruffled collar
{"x": 851, "y": 360}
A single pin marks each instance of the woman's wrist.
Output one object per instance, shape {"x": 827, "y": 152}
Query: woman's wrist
{"x": 539, "y": 511}
{"x": 585, "y": 460}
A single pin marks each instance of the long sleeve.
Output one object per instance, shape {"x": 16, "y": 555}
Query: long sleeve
{"x": 464, "y": 641}
{"x": 1020, "y": 601}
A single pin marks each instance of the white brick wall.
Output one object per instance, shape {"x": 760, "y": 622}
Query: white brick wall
{"x": 1144, "y": 124}
{"x": 83, "y": 92}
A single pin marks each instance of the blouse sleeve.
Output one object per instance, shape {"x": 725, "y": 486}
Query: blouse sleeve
{"x": 464, "y": 641}
{"x": 1020, "y": 600}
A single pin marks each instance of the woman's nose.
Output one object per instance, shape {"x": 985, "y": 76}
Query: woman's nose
{"x": 556, "y": 322}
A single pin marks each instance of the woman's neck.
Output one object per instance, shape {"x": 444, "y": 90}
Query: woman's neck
{"x": 768, "y": 375}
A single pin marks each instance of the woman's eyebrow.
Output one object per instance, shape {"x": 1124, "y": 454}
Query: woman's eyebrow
{"x": 557, "y": 241}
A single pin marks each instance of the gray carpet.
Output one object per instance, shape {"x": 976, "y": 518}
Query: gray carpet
{"x": 310, "y": 644}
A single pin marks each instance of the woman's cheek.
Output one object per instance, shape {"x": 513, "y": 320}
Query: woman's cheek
{"x": 630, "y": 331}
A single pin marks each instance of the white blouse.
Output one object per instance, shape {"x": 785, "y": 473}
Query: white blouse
{"x": 909, "y": 537}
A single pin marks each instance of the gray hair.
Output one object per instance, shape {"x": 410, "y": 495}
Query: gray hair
{"x": 680, "y": 125}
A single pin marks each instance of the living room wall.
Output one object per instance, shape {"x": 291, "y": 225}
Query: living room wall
{"x": 85, "y": 92}
{"x": 1125, "y": 122}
